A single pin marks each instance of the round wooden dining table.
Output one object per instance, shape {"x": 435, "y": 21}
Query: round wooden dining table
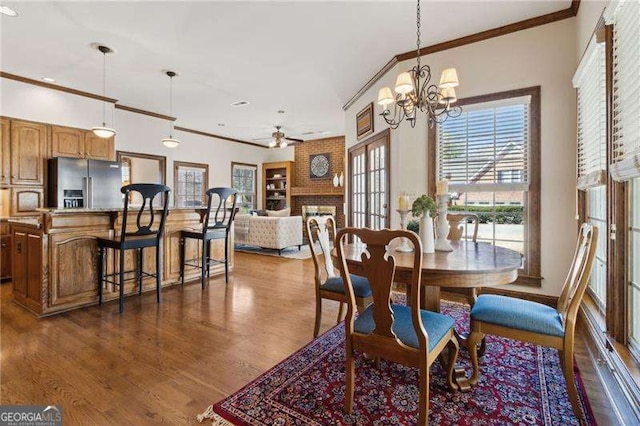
{"x": 469, "y": 265}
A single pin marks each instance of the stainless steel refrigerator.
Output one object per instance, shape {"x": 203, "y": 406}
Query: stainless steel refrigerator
{"x": 81, "y": 183}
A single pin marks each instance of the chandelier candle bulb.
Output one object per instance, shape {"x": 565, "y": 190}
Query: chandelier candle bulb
{"x": 442, "y": 226}
{"x": 442, "y": 187}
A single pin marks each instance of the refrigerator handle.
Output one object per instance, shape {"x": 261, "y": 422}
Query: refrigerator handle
{"x": 90, "y": 192}
{"x": 85, "y": 194}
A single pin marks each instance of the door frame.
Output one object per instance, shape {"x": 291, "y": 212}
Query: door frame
{"x": 386, "y": 135}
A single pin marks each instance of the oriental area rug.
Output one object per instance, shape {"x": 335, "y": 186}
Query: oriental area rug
{"x": 520, "y": 384}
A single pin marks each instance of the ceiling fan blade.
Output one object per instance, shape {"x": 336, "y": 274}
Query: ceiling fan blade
{"x": 262, "y": 139}
{"x": 293, "y": 139}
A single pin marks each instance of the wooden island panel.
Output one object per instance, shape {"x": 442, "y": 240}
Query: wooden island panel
{"x": 56, "y": 263}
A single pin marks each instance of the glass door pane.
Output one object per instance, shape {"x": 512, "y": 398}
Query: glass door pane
{"x": 596, "y": 211}
{"x": 634, "y": 266}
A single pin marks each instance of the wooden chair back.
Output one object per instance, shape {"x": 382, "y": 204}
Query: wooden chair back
{"x": 148, "y": 192}
{"x": 577, "y": 279}
{"x": 379, "y": 268}
{"x": 458, "y": 223}
{"x": 218, "y": 200}
{"x": 321, "y": 233}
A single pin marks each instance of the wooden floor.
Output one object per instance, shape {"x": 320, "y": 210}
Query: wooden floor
{"x": 168, "y": 363}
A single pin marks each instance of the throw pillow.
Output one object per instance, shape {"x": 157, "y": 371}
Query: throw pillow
{"x": 279, "y": 213}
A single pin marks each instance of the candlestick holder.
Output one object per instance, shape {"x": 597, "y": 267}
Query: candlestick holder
{"x": 442, "y": 227}
{"x": 404, "y": 246}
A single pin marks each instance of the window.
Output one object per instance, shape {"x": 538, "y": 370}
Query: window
{"x": 490, "y": 155}
{"x": 190, "y": 181}
{"x": 244, "y": 179}
{"x": 634, "y": 266}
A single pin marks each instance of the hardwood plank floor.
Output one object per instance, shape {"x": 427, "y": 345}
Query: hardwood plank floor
{"x": 165, "y": 364}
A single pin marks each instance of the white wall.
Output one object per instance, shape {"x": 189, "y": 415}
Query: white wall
{"x": 135, "y": 132}
{"x": 544, "y": 56}
{"x": 588, "y": 16}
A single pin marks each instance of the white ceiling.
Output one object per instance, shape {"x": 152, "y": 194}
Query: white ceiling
{"x": 307, "y": 58}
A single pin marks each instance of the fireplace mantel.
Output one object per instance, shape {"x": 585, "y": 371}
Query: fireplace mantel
{"x": 300, "y": 191}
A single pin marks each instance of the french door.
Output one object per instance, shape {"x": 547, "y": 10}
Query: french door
{"x": 369, "y": 182}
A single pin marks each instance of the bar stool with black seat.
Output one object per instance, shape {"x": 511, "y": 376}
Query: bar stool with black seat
{"x": 149, "y": 228}
{"x": 213, "y": 228}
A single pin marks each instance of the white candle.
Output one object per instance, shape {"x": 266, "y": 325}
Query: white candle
{"x": 402, "y": 203}
{"x": 442, "y": 187}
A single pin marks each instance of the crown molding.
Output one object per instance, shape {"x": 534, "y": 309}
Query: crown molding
{"x": 145, "y": 112}
{"x": 548, "y": 18}
{"x": 213, "y": 135}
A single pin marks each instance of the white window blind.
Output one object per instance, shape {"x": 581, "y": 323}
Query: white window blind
{"x": 592, "y": 113}
{"x": 625, "y": 16}
{"x": 485, "y": 143}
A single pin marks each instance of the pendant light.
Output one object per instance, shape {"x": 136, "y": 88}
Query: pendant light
{"x": 104, "y": 131}
{"x": 170, "y": 142}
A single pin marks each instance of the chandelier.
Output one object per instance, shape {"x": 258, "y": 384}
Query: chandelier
{"x": 415, "y": 92}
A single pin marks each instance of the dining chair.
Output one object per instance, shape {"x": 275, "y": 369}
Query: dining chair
{"x": 404, "y": 334}
{"x": 537, "y": 323}
{"x": 149, "y": 226}
{"x": 214, "y": 227}
{"x": 321, "y": 233}
{"x": 458, "y": 223}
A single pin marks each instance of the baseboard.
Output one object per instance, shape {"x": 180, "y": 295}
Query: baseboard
{"x": 619, "y": 386}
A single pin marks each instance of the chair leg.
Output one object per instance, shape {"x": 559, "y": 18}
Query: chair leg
{"x": 121, "y": 281}
{"x": 472, "y": 342}
{"x": 208, "y": 260}
{"x": 140, "y": 269}
{"x": 100, "y": 274}
{"x": 453, "y": 349}
{"x": 203, "y": 263}
{"x": 423, "y": 395}
{"x": 182, "y": 258}
{"x": 350, "y": 378}
{"x": 340, "y": 312}
{"x": 158, "y": 270}
{"x": 316, "y": 329}
{"x": 566, "y": 360}
{"x": 226, "y": 258}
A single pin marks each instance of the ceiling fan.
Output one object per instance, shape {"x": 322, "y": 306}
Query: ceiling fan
{"x": 280, "y": 140}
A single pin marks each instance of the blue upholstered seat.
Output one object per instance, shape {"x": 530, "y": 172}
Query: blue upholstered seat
{"x": 436, "y": 325}
{"x": 360, "y": 285}
{"x": 518, "y": 314}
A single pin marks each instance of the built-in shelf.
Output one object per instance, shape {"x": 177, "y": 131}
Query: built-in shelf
{"x": 277, "y": 178}
{"x": 300, "y": 191}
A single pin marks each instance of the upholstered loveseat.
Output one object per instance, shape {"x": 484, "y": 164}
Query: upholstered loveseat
{"x": 268, "y": 232}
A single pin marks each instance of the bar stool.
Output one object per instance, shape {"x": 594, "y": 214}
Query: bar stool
{"x": 213, "y": 228}
{"x": 146, "y": 235}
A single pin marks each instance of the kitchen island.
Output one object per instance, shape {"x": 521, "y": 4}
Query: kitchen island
{"x": 55, "y": 257}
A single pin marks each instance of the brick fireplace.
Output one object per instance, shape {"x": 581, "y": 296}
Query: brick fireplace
{"x": 319, "y": 192}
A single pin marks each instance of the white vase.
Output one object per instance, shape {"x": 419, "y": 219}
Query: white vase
{"x": 336, "y": 180}
{"x": 341, "y": 179}
{"x": 426, "y": 234}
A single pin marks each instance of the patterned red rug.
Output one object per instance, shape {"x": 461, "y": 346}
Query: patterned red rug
{"x": 520, "y": 383}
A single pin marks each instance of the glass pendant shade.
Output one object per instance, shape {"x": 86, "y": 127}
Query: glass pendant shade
{"x": 103, "y": 132}
{"x": 404, "y": 83}
{"x": 170, "y": 142}
{"x": 273, "y": 143}
{"x": 449, "y": 78}
{"x": 283, "y": 144}
{"x": 448, "y": 95}
{"x": 385, "y": 97}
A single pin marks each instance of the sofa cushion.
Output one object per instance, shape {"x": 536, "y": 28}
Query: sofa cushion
{"x": 279, "y": 213}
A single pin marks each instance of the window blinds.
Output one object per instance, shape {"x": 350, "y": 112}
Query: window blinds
{"x": 484, "y": 144}
{"x": 625, "y": 16}
{"x": 592, "y": 113}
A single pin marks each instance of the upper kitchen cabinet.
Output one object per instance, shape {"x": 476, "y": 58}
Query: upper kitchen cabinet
{"x": 97, "y": 148}
{"x": 5, "y": 158}
{"x": 28, "y": 152}
{"x": 77, "y": 143}
{"x": 67, "y": 142}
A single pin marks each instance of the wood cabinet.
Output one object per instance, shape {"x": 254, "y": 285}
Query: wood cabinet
{"x": 277, "y": 181}
{"x": 78, "y": 143}
{"x": 5, "y": 153}
{"x": 5, "y": 251}
{"x": 28, "y": 266}
{"x": 28, "y": 152}
{"x": 25, "y": 200}
{"x": 98, "y": 148}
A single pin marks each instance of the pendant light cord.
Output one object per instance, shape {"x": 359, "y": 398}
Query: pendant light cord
{"x": 104, "y": 89}
{"x": 170, "y": 106}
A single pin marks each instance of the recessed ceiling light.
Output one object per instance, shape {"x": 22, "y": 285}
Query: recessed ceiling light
{"x": 221, "y": 124}
{"x": 6, "y": 10}
{"x": 280, "y": 111}
{"x": 49, "y": 79}
{"x": 240, "y": 103}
